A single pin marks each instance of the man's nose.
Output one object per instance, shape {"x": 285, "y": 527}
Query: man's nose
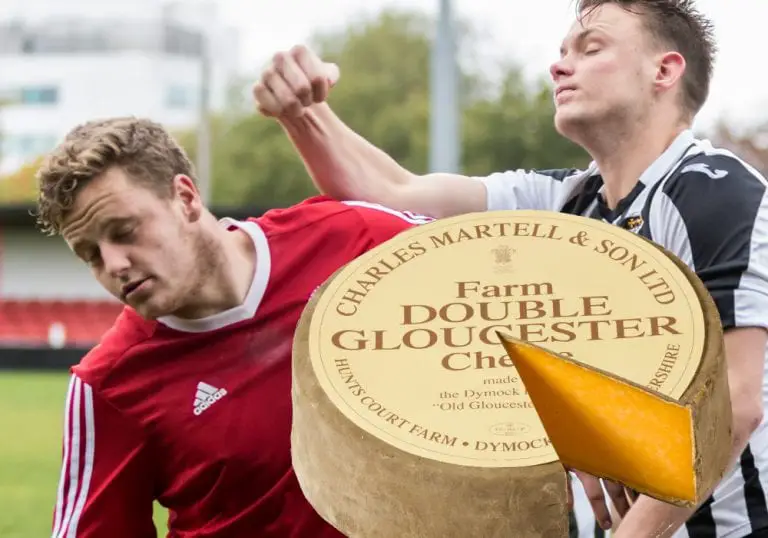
{"x": 561, "y": 68}
{"x": 115, "y": 259}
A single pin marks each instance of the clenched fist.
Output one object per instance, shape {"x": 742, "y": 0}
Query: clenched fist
{"x": 293, "y": 81}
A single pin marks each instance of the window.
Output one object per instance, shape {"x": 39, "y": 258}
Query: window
{"x": 43, "y": 95}
{"x": 26, "y": 145}
{"x": 180, "y": 97}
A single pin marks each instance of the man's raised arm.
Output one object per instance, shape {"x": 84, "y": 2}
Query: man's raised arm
{"x": 341, "y": 163}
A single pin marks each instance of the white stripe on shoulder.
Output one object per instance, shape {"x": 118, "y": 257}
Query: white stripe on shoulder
{"x": 65, "y": 457}
{"x": 407, "y": 216}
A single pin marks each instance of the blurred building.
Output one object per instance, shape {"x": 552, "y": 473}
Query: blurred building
{"x": 62, "y": 63}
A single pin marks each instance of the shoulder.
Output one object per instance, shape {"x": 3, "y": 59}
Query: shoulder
{"x": 714, "y": 193}
{"x": 546, "y": 189}
{"x": 713, "y": 210}
{"x": 559, "y": 174}
{"x": 376, "y": 212}
{"x": 545, "y": 175}
{"x": 127, "y": 332}
{"x": 717, "y": 181}
{"x": 322, "y": 214}
{"x": 300, "y": 215}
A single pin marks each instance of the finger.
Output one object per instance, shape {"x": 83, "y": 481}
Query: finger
{"x": 266, "y": 102}
{"x": 594, "y": 492}
{"x": 294, "y": 76}
{"x": 316, "y": 71}
{"x": 288, "y": 103}
{"x": 618, "y": 498}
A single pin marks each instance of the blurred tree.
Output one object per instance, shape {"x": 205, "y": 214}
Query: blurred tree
{"x": 384, "y": 95}
{"x": 21, "y": 186}
{"x": 515, "y": 129}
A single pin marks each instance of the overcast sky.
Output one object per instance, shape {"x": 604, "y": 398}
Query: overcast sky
{"x": 529, "y": 31}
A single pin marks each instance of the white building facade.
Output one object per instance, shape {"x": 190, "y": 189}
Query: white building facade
{"x": 68, "y": 62}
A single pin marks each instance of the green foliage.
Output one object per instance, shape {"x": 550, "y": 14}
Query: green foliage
{"x": 21, "y": 186}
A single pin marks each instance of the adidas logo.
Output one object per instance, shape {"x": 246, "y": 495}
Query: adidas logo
{"x": 206, "y": 396}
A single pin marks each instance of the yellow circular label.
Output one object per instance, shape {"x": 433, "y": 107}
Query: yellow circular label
{"x": 403, "y": 339}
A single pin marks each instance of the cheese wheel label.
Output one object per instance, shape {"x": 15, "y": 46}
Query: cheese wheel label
{"x": 403, "y": 339}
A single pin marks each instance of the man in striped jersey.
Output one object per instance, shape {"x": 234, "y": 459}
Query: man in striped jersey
{"x": 631, "y": 76}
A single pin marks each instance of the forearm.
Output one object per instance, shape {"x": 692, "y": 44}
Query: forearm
{"x": 341, "y": 163}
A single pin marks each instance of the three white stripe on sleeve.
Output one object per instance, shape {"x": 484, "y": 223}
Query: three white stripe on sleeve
{"x": 78, "y": 457}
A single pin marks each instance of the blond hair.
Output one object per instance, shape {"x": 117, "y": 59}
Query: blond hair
{"x": 142, "y": 148}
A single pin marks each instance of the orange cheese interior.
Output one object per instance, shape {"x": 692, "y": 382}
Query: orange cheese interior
{"x": 608, "y": 427}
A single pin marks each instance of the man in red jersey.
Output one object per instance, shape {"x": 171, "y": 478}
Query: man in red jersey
{"x": 186, "y": 400}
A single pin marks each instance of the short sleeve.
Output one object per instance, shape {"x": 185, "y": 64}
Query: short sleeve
{"x": 531, "y": 189}
{"x": 714, "y": 216}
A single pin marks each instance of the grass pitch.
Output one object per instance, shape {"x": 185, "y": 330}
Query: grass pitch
{"x": 31, "y": 422}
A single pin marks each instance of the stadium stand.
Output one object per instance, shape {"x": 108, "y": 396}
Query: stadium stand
{"x": 55, "y": 323}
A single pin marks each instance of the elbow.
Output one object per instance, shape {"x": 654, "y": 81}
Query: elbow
{"x": 746, "y": 419}
{"x": 754, "y": 418}
{"x": 365, "y": 182}
{"x": 398, "y": 192}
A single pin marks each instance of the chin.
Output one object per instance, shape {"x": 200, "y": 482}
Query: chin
{"x": 149, "y": 314}
{"x": 570, "y": 121}
{"x": 152, "y": 309}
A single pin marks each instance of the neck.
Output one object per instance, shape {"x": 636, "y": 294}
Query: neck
{"x": 625, "y": 153}
{"x": 225, "y": 281}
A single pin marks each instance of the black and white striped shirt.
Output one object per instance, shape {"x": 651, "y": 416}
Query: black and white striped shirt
{"x": 710, "y": 209}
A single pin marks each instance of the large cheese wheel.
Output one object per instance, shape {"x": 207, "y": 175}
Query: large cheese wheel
{"x": 410, "y": 418}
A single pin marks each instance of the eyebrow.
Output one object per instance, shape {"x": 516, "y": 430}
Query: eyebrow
{"x": 110, "y": 222}
{"x": 583, "y": 36}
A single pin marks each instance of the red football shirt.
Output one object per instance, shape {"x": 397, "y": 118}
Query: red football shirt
{"x": 197, "y": 414}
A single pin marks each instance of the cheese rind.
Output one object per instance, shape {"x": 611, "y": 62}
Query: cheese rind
{"x": 389, "y": 492}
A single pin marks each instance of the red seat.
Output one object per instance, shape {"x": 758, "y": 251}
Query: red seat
{"x": 67, "y": 323}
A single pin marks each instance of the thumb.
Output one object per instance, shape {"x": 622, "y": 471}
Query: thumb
{"x": 332, "y": 73}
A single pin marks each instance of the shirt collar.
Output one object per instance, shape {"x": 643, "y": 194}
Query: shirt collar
{"x": 664, "y": 163}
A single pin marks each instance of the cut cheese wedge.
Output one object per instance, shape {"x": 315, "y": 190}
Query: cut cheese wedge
{"x": 613, "y": 428}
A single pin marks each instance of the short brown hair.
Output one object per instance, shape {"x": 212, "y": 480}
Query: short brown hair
{"x": 677, "y": 24}
{"x": 142, "y": 148}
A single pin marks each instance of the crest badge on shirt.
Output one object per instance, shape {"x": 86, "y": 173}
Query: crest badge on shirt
{"x": 633, "y": 223}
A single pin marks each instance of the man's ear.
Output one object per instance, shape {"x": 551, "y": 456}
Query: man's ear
{"x": 185, "y": 191}
{"x": 670, "y": 68}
